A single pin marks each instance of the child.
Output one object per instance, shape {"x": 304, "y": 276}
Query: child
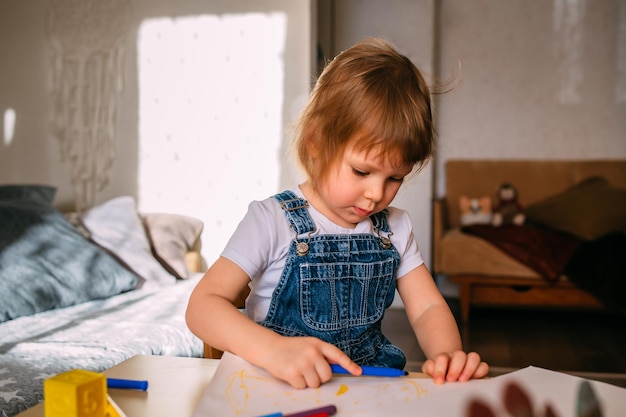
{"x": 323, "y": 259}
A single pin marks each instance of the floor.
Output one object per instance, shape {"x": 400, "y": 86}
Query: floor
{"x": 588, "y": 344}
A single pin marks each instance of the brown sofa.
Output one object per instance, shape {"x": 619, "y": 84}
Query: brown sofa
{"x": 487, "y": 275}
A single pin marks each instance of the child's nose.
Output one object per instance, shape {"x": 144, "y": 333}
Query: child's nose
{"x": 374, "y": 191}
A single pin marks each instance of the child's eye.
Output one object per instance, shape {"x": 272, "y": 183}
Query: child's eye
{"x": 396, "y": 179}
{"x": 358, "y": 172}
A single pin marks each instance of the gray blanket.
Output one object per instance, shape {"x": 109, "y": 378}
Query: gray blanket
{"x": 95, "y": 335}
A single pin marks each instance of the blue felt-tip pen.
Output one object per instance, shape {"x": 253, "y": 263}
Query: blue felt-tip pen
{"x": 370, "y": 371}
{"x": 127, "y": 384}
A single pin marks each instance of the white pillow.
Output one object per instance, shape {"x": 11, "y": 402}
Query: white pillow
{"x": 116, "y": 226}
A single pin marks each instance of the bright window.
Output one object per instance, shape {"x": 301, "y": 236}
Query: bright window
{"x": 210, "y": 117}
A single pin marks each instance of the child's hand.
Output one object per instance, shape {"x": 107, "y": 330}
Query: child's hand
{"x": 455, "y": 366}
{"x": 303, "y": 362}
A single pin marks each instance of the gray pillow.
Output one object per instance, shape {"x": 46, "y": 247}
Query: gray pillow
{"x": 44, "y": 262}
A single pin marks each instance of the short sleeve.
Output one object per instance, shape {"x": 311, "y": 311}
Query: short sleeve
{"x": 256, "y": 242}
{"x": 404, "y": 241}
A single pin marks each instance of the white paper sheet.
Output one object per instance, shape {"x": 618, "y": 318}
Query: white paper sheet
{"x": 543, "y": 386}
{"x": 240, "y": 389}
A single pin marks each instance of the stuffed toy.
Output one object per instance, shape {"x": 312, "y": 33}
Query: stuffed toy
{"x": 475, "y": 210}
{"x": 507, "y": 209}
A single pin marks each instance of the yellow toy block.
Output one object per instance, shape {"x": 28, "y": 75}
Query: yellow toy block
{"x": 76, "y": 393}
{"x": 113, "y": 410}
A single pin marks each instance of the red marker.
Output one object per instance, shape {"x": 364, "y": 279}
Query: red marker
{"x": 325, "y": 411}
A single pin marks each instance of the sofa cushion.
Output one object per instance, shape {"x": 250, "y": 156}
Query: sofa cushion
{"x": 588, "y": 210}
{"x": 45, "y": 263}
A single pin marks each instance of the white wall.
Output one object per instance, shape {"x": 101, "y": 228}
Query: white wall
{"x": 31, "y": 156}
{"x": 537, "y": 79}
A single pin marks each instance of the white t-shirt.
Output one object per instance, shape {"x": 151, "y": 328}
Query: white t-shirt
{"x": 261, "y": 241}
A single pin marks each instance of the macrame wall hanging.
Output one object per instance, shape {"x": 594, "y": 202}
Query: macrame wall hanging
{"x": 86, "y": 79}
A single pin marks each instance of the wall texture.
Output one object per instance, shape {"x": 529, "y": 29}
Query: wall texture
{"x": 26, "y": 53}
{"x": 217, "y": 144}
{"x": 535, "y": 79}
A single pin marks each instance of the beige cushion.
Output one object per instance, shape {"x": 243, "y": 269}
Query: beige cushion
{"x": 588, "y": 210}
{"x": 462, "y": 253}
{"x": 172, "y": 236}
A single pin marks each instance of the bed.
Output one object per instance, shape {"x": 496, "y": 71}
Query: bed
{"x": 88, "y": 290}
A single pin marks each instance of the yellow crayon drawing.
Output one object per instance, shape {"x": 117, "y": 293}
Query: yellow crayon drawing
{"x": 248, "y": 386}
{"x": 418, "y": 390}
{"x": 237, "y": 392}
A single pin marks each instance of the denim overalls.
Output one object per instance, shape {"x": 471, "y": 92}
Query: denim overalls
{"x": 337, "y": 287}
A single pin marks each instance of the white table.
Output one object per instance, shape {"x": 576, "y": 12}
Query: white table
{"x": 175, "y": 386}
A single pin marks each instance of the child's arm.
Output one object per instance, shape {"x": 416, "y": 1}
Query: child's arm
{"x": 211, "y": 315}
{"x": 436, "y": 330}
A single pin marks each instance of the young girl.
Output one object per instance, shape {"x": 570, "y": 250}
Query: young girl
{"x": 323, "y": 259}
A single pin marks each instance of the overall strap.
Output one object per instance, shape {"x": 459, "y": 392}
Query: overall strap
{"x": 296, "y": 211}
{"x": 379, "y": 220}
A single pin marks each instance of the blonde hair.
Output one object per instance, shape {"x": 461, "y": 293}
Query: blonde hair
{"x": 375, "y": 92}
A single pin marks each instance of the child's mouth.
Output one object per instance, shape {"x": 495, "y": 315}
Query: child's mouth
{"x": 361, "y": 212}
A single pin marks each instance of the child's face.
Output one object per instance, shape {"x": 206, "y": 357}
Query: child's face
{"x": 362, "y": 184}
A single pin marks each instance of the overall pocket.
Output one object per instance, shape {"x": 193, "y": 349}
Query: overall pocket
{"x": 339, "y": 295}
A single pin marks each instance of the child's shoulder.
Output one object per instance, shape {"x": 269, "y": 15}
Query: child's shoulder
{"x": 264, "y": 222}
{"x": 398, "y": 216}
{"x": 273, "y": 201}
{"x": 267, "y": 209}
